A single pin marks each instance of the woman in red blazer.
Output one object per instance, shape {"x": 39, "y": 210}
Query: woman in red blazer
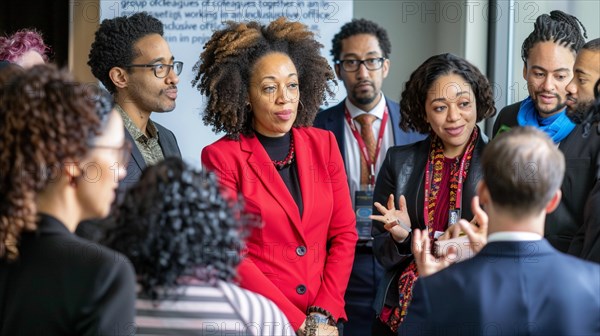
{"x": 264, "y": 86}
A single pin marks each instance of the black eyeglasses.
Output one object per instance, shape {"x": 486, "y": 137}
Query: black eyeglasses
{"x": 352, "y": 65}
{"x": 124, "y": 151}
{"x": 161, "y": 70}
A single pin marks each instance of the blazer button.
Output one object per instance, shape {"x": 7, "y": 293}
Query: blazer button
{"x": 301, "y": 289}
{"x": 301, "y": 250}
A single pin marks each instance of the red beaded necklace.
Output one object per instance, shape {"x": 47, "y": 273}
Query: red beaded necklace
{"x": 289, "y": 159}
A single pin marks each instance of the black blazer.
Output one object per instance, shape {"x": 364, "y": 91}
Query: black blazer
{"x": 403, "y": 173}
{"x": 508, "y": 288}
{"x": 581, "y": 173}
{"x": 64, "y": 285}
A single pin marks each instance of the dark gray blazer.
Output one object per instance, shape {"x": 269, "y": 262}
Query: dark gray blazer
{"x": 169, "y": 146}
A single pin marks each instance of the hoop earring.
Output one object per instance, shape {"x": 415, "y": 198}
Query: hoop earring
{"x": 300, "y": 106}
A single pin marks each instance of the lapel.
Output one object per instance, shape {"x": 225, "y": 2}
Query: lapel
{"x": 135, "y": 152}
{"x": 167, "y": 142}
{"x": 306, "y": 165}
{"x": 394, "y": 111}
{"x": 335, "y": 123}
{"x": 258, "y": 160}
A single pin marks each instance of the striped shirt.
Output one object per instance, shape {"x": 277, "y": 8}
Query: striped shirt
{"x": 206, "y": 310}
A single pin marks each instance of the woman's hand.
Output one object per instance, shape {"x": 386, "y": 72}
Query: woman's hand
{"x": 397, "y": 222}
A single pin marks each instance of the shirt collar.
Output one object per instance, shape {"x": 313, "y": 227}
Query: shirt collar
{"x": 376, "y": 111}
{"x": 513, "y": 236}
{"x": 135, "y": 132}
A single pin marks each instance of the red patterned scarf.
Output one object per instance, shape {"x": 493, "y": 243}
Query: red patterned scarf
{"x": 436, "y": 160}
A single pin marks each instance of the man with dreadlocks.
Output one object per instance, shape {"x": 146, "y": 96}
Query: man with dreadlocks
{"x": 549, "y": 55}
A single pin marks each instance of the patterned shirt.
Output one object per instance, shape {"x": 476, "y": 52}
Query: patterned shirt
{"x": 148, "y": 146}
{"x": 225, "y": 309}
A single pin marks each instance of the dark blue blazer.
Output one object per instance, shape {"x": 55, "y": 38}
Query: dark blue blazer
{"x": 333, "y": 120}
{"x": 509, "y": 288}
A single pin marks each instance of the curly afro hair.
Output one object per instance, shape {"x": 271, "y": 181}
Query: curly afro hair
{"x": 225, "y": 66}
{"x": 46, "y": 119}
{"x": 558, "y": 27}
{"x": 175, "y": 223}
{"x": 412, "y": 102}
{"x": 16, "y": 45}
{"x": 114, "y": 44}
{"x": 357, "y": 27}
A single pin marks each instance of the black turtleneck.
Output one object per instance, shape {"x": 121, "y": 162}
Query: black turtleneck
{"x": 277, "y": 149}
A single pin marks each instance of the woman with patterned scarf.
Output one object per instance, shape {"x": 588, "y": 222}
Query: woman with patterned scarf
{"x": 432, "y": 181}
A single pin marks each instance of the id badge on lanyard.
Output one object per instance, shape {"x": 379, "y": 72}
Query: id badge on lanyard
{"x": 363, "y": 199}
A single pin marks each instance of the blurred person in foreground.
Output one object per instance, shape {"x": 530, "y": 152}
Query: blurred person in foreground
{"x": 58, "y": 142}
{"x": 184, "y": 240}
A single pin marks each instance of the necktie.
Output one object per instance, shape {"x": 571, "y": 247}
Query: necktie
{"x": 366, "y": 132}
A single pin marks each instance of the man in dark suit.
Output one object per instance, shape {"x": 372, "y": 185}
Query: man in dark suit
{"x": 549, "y": 55}
{"x": 360, "y": 52}
{"x": 518, "y": 284}
{"x": 583, "y": 107}
{"x": 133, "y": 61}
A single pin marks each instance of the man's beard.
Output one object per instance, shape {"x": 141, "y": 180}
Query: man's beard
{"x": 581, "y": 112}
{"x": 560, "y": 104}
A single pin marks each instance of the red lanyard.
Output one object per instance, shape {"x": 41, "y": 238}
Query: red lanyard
{"x": 363, "y": 147}
{"x": 428, "y": 173}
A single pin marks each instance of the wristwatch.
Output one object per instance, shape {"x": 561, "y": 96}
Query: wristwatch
{"x": 319, "y": 318}
{"x": 312, "y": 323}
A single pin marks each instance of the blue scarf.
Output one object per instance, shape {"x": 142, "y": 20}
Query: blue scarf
{"x": 558, "y": 126}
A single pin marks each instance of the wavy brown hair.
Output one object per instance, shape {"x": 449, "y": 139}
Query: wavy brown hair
{"x": 46, "y": 120}
{"x": 412, "y": 102}
{"x": 224, "y": 70}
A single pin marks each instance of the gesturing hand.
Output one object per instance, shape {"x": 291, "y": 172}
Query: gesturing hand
{"x": 427, "y": 264}
{"x": 477, "y": 233}
{"x": 397, "y": 222}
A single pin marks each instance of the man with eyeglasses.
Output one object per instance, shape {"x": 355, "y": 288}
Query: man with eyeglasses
{"x": 365, "y": 124}
{"x": 134, "y": 62}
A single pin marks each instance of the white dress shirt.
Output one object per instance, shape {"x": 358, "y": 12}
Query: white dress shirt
{"x": 513, "y": 236}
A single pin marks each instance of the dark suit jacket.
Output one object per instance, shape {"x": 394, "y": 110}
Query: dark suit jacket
{"x": 333, "y": 120}
{"x": 296, "y": 261}
{"x": 581, "y": 173}
{"x": 403, "y": 173}
{"x": 96, "y": 230}
{"x": 169, "y": 146}
{"x": 509, "y": 288}
{"x": 64, "y": 285}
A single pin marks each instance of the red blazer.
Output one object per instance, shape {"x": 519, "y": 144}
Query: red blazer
{"x": 296, "y": 262}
